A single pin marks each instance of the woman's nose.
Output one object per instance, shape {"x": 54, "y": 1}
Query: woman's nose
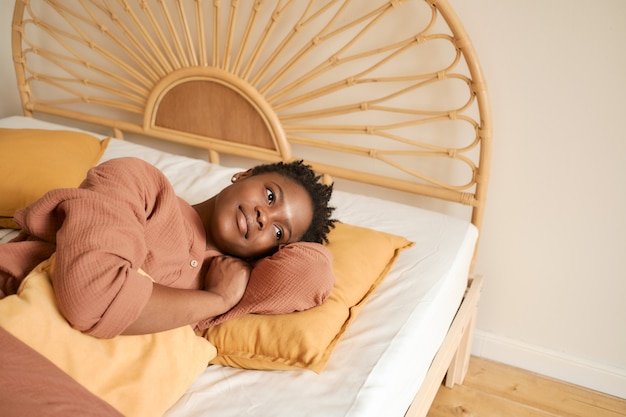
{"x": 261, "y": 217}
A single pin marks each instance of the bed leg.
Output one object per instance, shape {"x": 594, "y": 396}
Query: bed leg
{"x": 460, "y": 362}
{"x": 452, "y": 359}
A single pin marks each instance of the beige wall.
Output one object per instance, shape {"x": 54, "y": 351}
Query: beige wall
{"x": 554, "y": 243}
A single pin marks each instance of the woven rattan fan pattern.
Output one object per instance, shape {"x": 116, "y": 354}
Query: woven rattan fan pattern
{"x": 395, "y": 82}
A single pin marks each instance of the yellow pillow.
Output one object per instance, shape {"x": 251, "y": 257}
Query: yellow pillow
{"x": 34, "y": 161}
{"x": 138, "y": 375}
{"x": 362, "y": 258}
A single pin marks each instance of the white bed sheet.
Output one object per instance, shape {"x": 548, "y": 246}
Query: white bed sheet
{"x": 382, "y": 360}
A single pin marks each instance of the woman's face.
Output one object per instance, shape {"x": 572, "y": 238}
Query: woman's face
{"x": 257, "y": 213}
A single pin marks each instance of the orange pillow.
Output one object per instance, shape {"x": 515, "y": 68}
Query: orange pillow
{"x": 35, "y": 161}
{"x": 361, "y": 259}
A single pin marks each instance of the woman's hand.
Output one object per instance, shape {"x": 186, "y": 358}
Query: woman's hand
{"x": 168, "y": 308}
{"x": 227, "y": 277}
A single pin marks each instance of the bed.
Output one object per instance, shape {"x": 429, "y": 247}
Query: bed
{"x": 385, "y": 99}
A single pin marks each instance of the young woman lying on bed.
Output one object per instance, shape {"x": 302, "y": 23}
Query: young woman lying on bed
{"x": 133, "y": 258}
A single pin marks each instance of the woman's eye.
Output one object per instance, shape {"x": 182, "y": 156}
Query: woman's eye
{"x": 279, "y": 233}
{"x": 270, "y": 195}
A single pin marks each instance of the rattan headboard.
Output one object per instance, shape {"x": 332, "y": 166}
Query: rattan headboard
{"x": 385, "y": 92}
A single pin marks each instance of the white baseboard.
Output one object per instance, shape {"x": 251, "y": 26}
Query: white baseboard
{"x": 596, "y": 376}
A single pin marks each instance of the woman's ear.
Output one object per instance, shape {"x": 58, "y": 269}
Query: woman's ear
{"x": 241, "y": 175}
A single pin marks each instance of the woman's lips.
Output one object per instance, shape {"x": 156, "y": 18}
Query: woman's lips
{"x": 242, "y": 222}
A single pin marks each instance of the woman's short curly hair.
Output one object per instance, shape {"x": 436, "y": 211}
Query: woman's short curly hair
{"x": 320, "y": 194}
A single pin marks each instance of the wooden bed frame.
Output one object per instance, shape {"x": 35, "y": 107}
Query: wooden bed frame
{"x": 395, "y": 86}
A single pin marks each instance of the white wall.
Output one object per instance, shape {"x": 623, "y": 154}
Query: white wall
{"x": 554, "y": 244}
{"x": 554, "y": 238}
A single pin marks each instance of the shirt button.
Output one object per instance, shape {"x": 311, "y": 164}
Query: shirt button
{"x": 193, "y": 263}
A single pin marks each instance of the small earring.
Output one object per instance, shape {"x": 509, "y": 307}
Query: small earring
{"x": 233, "y": 179}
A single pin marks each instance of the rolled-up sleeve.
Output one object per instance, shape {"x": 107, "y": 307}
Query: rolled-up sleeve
{"x": 101, "y": 246}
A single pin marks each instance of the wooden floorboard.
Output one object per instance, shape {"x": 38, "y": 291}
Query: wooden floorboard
{"x": 493, "y": 389}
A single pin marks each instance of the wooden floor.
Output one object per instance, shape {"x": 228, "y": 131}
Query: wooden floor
{"x": 495, "y": 390}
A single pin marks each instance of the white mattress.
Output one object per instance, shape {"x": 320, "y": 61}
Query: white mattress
{"x": 380, "y": 363}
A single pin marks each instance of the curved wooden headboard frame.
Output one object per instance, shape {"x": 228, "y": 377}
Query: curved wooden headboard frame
{"x": 221, "y": 110}
{"x": 479, "y": 87}
{"x": 148, "y": 92}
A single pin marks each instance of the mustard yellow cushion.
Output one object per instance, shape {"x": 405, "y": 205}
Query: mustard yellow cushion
{"x": 138, "y": 375}
{"x": 362, "y": 258}
{"x": 34, "y": 161}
